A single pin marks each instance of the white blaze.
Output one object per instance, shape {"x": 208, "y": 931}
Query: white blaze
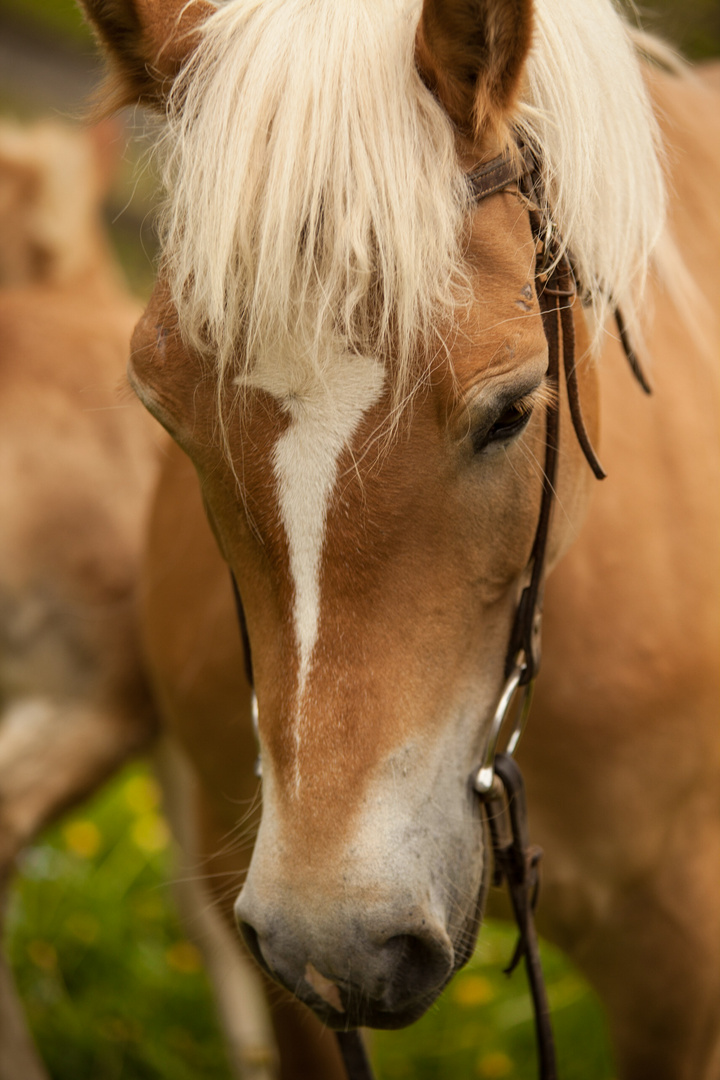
{"x": 325, "y": 413}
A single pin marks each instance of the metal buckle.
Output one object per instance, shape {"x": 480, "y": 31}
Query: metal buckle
{"x": 483, "y": 779}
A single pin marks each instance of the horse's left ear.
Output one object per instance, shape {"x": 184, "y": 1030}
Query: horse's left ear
{"x": 147, "y": 42}
{"x": 471, "y": 54}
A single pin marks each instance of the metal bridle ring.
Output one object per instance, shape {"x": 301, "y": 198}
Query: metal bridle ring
{"x": 483, "y": 779}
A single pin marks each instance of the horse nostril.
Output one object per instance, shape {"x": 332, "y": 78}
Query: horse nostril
{"x": 419, "y": 966}
{"x": 251, "y": 939}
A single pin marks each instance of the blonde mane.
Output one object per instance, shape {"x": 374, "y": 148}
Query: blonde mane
{"x": 316, "y": 205}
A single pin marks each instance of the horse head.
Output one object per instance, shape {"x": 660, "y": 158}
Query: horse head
{"x": 351, "y": 351}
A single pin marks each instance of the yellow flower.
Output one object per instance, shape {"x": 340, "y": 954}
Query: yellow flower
{"x": 150, "y": 833}
{"x": 472, "y": 990}
{"x": 494, "y": 1066}
{"x": 83, "y": 838}
{"x": 142, "y": 794}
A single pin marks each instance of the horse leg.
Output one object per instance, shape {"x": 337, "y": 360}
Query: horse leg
{"x": 18, "y": 1056}
{"x": 235, "y": 981}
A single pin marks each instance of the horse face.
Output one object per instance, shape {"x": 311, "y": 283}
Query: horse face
{"x": 379, "y": 564}
{"x": 380, "y": 574}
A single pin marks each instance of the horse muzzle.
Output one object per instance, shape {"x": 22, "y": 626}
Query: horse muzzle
{"x": 368, "y": 969}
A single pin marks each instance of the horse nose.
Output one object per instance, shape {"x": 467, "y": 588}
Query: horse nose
{"x": 413, "y": 967}
{"x": 353, "y": 975}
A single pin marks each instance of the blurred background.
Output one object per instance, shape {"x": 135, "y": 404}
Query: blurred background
{"x": 112, "y": 987}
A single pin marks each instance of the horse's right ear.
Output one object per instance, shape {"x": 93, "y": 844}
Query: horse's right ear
{"x": 471, "y": 54}
{"x": 147, "y": 42}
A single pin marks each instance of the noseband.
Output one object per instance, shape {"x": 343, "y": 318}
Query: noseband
{"x": 497, "y": 780}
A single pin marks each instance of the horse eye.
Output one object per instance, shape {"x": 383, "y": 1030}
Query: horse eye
{"x": 510, "y": 423}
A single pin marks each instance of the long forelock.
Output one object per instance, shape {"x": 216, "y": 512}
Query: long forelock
{"x": 315, "y": 200}
{"x": 316, "y": 204}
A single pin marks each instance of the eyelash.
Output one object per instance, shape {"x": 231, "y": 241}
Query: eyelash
{"x": 510, "y": 422}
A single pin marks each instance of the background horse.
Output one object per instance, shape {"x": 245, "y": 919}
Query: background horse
{"x": 79, "y": 464}
{"x": 351, "y": 353}
{"x": 77, "y": 468}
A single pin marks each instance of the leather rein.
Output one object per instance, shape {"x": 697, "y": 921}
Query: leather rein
{"x": 498, "y": 781}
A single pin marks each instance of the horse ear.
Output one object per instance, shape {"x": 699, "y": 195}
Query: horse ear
{"x": 147, "y": 42}
{"x": 471, "y": 55}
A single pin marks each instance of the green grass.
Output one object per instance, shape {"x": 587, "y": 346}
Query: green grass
{"x": 114, "y": 991}
{"x": 112, "y": 988}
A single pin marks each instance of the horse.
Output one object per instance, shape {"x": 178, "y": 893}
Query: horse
{"x": 358, "y": 361}
{"x": 78, "y": 467}
{"x": 80, "y": 461}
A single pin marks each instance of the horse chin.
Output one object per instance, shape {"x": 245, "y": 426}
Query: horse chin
{"x": 371, "y": 1017}
{"x": 360, "y": 1011}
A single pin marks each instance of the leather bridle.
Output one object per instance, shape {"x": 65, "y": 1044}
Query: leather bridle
{"x": 497, "y": 780}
